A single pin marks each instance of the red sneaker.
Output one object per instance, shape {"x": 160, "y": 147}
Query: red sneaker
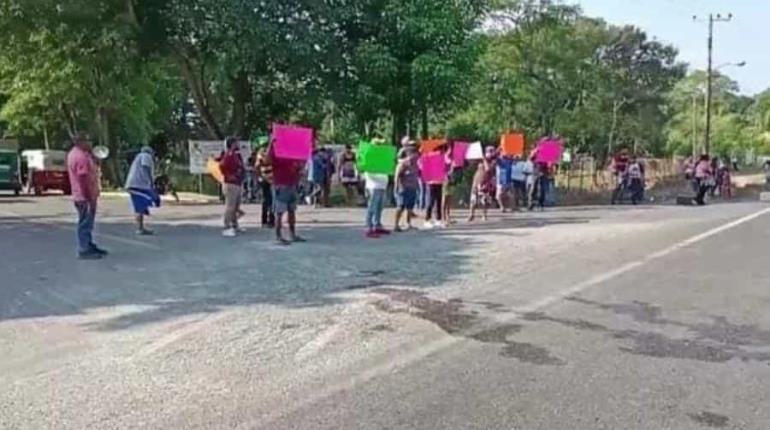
{"x": 372, "y": 234}
{"x": 382, "y": 231}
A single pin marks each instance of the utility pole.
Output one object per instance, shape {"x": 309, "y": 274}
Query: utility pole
{"x": 710, "y": 73}
{"x": 694, "y": 126}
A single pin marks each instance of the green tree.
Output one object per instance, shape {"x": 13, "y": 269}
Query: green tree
{"x": 411, "y": 59}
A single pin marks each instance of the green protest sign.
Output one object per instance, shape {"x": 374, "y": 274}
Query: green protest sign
{"x": 259, "y": 141}
{"x": 373, "y": 158}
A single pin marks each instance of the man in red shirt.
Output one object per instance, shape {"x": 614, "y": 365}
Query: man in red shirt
{"x": 84, "y": 183}
{"x": 231, "y": 166}
{"x": 286, "y": 175}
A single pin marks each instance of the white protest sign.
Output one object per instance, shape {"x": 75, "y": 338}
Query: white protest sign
{"x": 475, "y": 152}
{"x": 201, "y": 151}
{"x": 245, "y": 149}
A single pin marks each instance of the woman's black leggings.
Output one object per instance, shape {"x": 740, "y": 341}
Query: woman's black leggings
{"x": 435, "y": 202}
{"x": 268, "y": 215}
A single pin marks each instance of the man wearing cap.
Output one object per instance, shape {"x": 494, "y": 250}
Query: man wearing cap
{"x": 139, "y": 185}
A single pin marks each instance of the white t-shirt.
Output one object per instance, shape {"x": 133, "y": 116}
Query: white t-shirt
{"x": 529, "y": 171}
{"x": 517, "y": 171}
{"x": 375, "y": 181}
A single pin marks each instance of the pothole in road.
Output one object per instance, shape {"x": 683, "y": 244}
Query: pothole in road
{"x": 451, "y": 317}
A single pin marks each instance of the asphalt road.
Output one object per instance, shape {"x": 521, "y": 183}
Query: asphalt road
{"x": 584, "y": 318}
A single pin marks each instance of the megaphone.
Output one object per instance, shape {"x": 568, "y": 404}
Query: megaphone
{"x": 101, "y": 152}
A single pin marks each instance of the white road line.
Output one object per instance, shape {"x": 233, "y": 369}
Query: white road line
{"x": 604, "y": 277}
{"x": 447, "y": 341}
{"x": 107, "y": 236}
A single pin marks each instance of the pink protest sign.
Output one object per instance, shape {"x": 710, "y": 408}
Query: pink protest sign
{"x": 293, "y": 143}
{"x": 549, "y": 151}
{"x": 433, "y": 167}
{"x": 459, "y": 151}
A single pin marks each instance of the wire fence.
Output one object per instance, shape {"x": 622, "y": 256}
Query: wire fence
{"x": 583, "y": 174}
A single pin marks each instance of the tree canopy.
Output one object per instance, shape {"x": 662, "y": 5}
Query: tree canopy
{"x": 137, "y": 71}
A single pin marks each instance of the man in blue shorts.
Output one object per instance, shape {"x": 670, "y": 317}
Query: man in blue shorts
{"x": 286, "y": 176}
{"x": 139, "y": 185}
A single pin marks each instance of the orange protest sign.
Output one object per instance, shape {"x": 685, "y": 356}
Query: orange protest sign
{"x": 212, "y": 167}
{"x": 512, "y": 144}
{"x": 430, "y": 145}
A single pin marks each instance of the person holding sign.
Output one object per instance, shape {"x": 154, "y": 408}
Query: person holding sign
{"x": 286, "y": 177}
{"x": 483, "y": 184}
{"x": 504, "y": 187}
{"x": 376, "y": 160}
{"x": 434, "y": 170}
{"x": 407, "y": 183}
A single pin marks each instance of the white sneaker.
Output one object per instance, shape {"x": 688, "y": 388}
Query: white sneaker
{"x": 428, "y": 225}
{"x": 230, "y": 232}
{"x": 441, "y": 225}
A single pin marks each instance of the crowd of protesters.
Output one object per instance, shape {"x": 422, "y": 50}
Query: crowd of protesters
{"x": 499, "y": 181}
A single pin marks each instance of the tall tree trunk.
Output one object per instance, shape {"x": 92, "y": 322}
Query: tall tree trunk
{"x": 111, "y": 164}
{"x": 200, "y": 96}
{"x": 616, "y": 105}
{"x": 241, "y": 98}
{"x": 399, "y": 126}
{"x": 70, "y": 119}
{"x": 424, "y": 121}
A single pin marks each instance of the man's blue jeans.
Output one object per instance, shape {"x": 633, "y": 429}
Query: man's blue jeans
{"x": 374, "y": 209}
{"x": 86, "y": 218}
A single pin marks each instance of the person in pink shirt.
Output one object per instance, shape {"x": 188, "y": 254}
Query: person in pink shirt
{"x": 84, "y": 183}
{"x": 703, "y": 178}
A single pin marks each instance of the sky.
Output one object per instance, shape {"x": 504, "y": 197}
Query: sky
{"x": 745, "y": 38}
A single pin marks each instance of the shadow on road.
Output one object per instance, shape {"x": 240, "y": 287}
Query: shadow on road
{"x": 189, "y": 269}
